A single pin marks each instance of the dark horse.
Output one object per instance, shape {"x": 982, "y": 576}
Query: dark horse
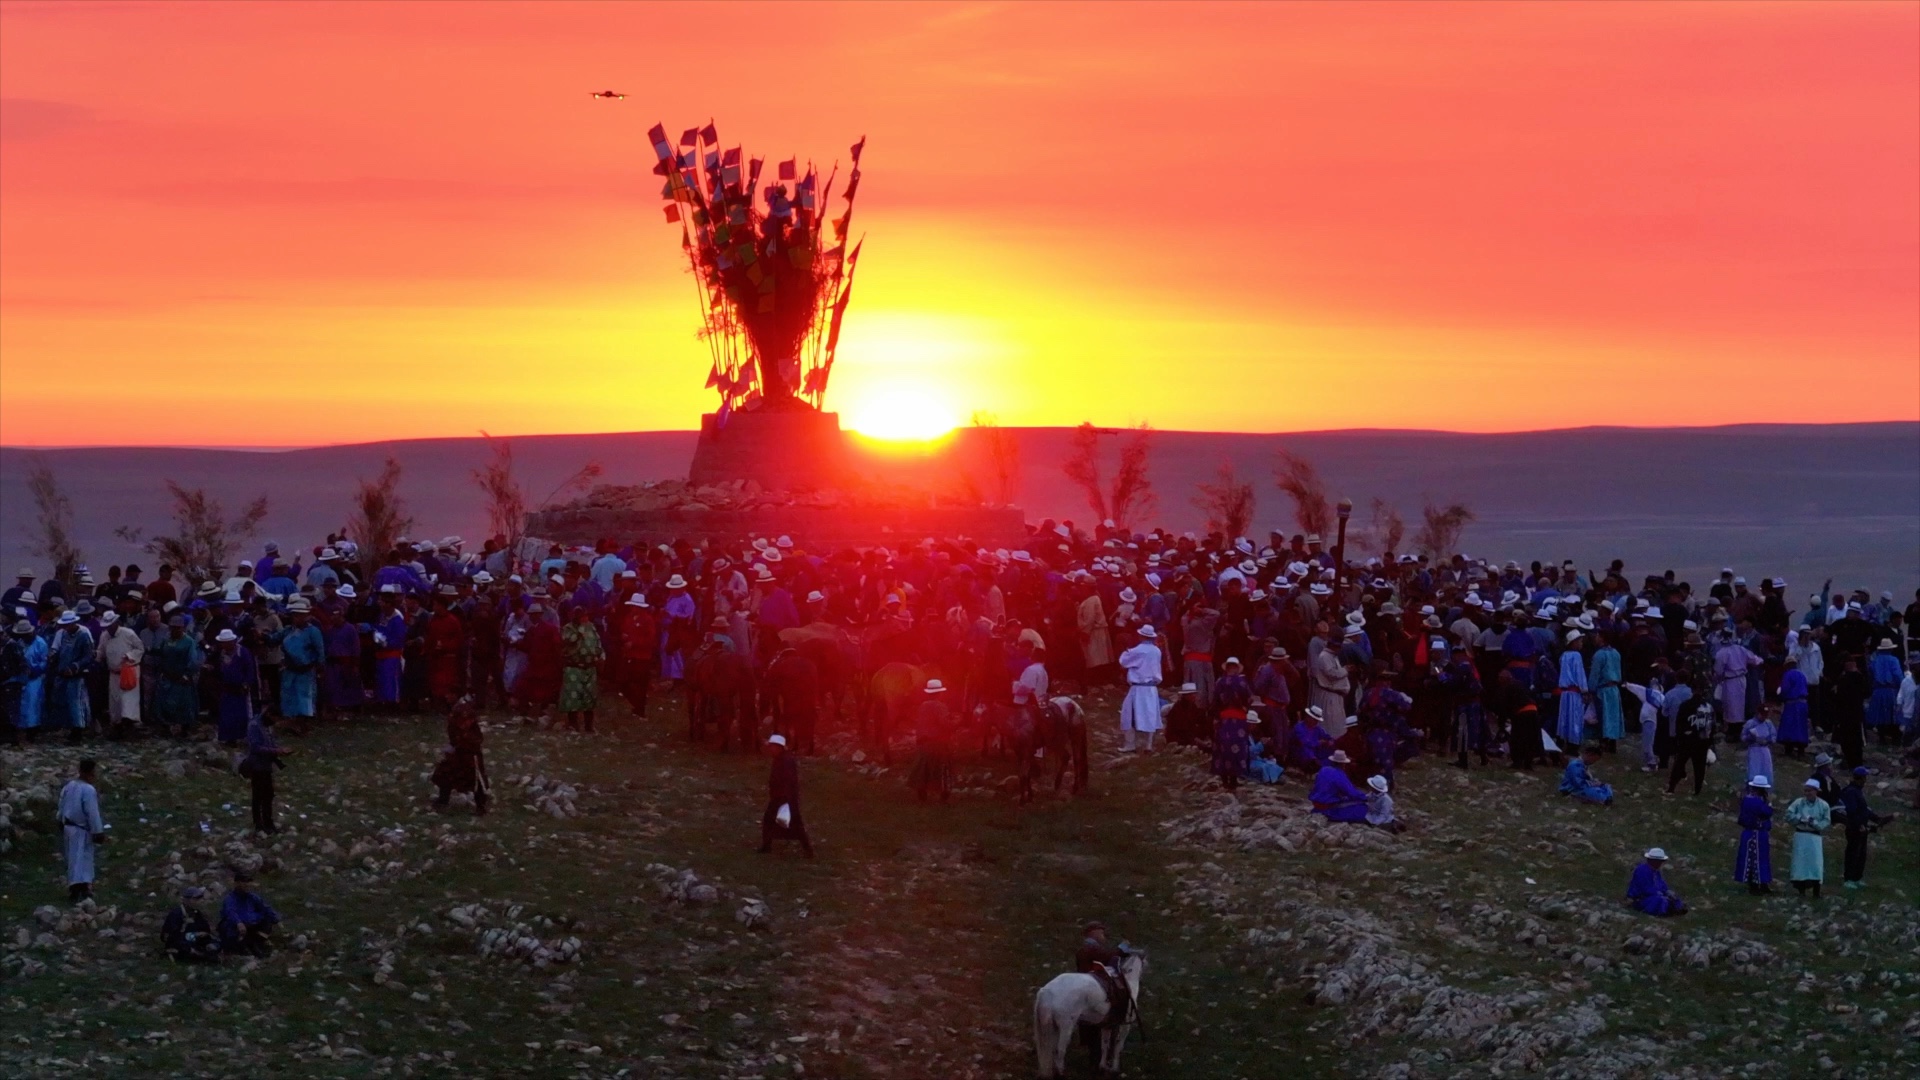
{"x": 720, "y": 691}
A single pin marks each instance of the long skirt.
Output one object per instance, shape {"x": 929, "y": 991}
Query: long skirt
{"x": 79, "y": 852}
{"x": 236, "y": 712}
{"x": 122, "y": 704}
{"x": 386, "y": 678}
{"x": 1333, "y": 710}
{"x": 1753, "y": 860}
{"x": 298, "y": 690}
{"x": 1230, "y": 748}
{"x": 579, "y": 690}
{"x": 1809, "y": 858}
{"x": 343, "y": 682}
{"x": 1606, "y": 702}
{"x": 1794, "y": 729}
{"x": 511, "y": 668}
{"x": 1572, "y": 727}
{"x": 1140, "y": 710}
{"x": 1759, "y": 762}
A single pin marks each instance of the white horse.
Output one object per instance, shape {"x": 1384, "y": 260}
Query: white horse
{"x": 1075, "y": 998}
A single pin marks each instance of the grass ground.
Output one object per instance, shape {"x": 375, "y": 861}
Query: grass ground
{"x": 912, "y": 945}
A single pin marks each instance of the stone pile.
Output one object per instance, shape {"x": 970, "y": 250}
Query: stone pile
{"x": 513, "y": 935}
{"x": 742, "y": 495}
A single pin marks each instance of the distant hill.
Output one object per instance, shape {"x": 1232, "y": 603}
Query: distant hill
{"x": 1806, "y": 501}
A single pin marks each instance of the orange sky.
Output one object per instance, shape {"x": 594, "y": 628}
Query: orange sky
{"x": 305, "y": 223}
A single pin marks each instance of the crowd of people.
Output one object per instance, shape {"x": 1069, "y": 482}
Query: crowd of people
{"x": 1278, "y": 658}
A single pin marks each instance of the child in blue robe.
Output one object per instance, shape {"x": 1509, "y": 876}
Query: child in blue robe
{"x": 1579, "y": 781}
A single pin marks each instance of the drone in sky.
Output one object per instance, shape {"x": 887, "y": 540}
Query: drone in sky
{"x": 610, "y": 95}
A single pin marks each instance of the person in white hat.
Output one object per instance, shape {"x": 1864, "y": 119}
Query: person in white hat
{"x": 635, "y": 635}
{"x": 1753, "y": 859}
{"x": 1185, "y": 719}
{"x": 238, "y": 674}
{"x": 1647, "y": 890}
{"x": 69, "y": 657}
{"x": 120, "y": 652}
{"x": 1810, "y": 817}
{"x": 782, "y": 816}
{"x": 1140, "y": 709}
{"x": 1758, "y": 735}
{"x": 1329, "y": 683}
{"x": 932, "y": 771}
{"x": 679, "y": 613}
{"x": 1732, "y": 665}
{"x": 1884, "y": 670}
{"x": 1574, "y": 699}
{"x": 1333, "y": 792}
{"x": 303, "y": 655}
{"x": 1380, "y": 806}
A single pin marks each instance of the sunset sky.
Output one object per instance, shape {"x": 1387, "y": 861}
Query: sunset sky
{"x": 292, "y": 224}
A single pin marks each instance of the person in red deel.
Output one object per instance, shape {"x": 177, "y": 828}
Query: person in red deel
{"x": 540, "y": 683}
{"x": 446, "y": 642}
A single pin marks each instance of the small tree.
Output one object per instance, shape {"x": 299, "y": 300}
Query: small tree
{"x": 1440, "y": 529}
{"x": 50, "y": 536}
{"x": 1228, "y": 503}
{"x": 1301, "y": 482}
{"x": 1002, "y": 453}
{"x": 577, "y": 481}
{"x": 204, "y": 541}
{"x": 1133, "y": 498}
{"x": 1082, "y": 466}
{"x": 378, "y": 517}
{"x": 506, "y": 499}
{"x": 1385, "y": 528}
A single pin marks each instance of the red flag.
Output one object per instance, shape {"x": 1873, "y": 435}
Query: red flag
{"x": 789, "y": 169}
{"x": 689, "y": 136}
{"x": 673, "y": 211}
{"x": 660, "y": 144}
{"x": 853, "y": 186}
{"x": 708, "y": 135}
{"x": 857, "y": 147}
{"x": 732, "y": 157}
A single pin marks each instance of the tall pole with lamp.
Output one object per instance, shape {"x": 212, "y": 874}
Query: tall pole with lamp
{"x": 1345, "y": 510}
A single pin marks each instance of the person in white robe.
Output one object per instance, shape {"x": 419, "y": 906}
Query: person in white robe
{"x": 120, "y": 651}
{"x": 1810, "y": 817}
{"x": 81, "y": 830}
{"x": 1140, "y": 709}
{"x": 1329, "y": 690}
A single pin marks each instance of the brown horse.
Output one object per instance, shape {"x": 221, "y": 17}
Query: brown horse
{"x": 720, "y": 691}
{"x": 893, "y": 694}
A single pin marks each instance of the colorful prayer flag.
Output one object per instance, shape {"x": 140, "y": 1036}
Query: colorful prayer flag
{"x": 689, "y": 136}
{"x": 789, "y": 169}
{"x": 857, "y": 147}
{"x": 660, "y": 144}
{"x": 673, "y": 212}
{"x": 709, "y": 136}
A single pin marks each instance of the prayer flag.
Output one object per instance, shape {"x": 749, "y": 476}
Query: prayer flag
{"x": 788, "y": 169}
{"x": 857, "y": 147}
{"x": 673, "y": 212}
{"x": 732, "y": 157}
{"x": 853, "y": 186}
{"x": 662, "y": 168}
{"x": 660, "y": 144}
{"x": 689, "y": 136}
{"x": 753, "y": 170}
{"x": 709, "y": 136}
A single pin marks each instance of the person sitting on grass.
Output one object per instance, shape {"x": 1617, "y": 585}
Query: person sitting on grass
{"x": 1380, "y": 806}
{"x": 1579, "y": 781}
{"x": 185, "y": 932}
{"x": 246, "y": 919}
{"x": 1334, "y": 794}
{"x": 1647, "y": 890}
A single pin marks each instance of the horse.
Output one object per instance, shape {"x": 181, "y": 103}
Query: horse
{"x": 893, "y": 694}
{"x": 720, "y": 690}
{"x": 1074, "y": 998}
{"x": 835, "y": 653}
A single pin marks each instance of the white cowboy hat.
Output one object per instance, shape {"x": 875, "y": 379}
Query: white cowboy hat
{"x": 1128, "y": 596}
{"x": 637, "y": 600}
{"x": 763, "y": 574}
{"x": 1234, "y": 660}
{"x": 935, "y": 686}
{"x": 1378, "y": 783}
{"x": 1655, "y": 854}
{"x": 1321, "y": 590}
{"x": 776, "y": 740}
{"x": 345, "y": 592}
{"x": 1316, "y": 712}
{"x": 676, "y": 582}
{"x": 67, "y": 618}
{"x": 1811, "y": 782}
{"x": 1189, "y": 688}
{"x": 1761, "y": 782}
{"x": 1340, "y": 758}
{"x": 816, "y": 596}
{"x": 1573, "y": 636}
{"x": 1147, "y": 630}
{"x": 225, "y": 636}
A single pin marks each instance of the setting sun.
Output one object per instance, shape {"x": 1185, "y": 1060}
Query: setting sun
{"x": 902, "y": 413}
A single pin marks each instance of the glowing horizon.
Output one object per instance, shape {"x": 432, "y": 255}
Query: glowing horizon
{"x": 280, "y": 225}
